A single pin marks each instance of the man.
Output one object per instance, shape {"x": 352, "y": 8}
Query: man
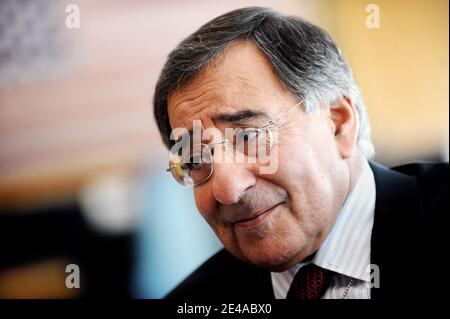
{"x": 326, "y": 223}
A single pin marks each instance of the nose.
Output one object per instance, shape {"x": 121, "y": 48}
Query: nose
{"x": 230, "y": 181}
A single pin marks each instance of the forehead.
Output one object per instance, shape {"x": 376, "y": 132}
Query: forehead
{"x": 240, "y": 78}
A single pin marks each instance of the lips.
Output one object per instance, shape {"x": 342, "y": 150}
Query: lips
{"x": 254, "y": 219}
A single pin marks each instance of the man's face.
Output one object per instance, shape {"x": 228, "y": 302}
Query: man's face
{"x": 271, "y": 220}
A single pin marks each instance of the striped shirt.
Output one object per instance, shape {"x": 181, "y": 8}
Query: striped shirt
{"x": 346, "y": 251}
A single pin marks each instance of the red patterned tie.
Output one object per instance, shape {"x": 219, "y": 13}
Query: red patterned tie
{"x": 310, "y": 282}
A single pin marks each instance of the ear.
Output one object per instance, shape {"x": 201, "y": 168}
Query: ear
{"x": 344, "y": 117}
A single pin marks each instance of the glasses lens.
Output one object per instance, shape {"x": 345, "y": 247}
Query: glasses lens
{"x": 252, "y": 142}
{"x": 195, "y": 170}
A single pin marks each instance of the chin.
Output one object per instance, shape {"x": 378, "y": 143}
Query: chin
{"x": 275, "y": 258}
{"x": 275, "y": 263}
{"x": 276, "y": 245}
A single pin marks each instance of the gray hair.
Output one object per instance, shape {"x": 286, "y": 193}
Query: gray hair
{"x": 304, "y": 56}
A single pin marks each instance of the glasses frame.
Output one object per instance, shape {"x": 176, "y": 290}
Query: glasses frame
{"x": 211, "y": 145}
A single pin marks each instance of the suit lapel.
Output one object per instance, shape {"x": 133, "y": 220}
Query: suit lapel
{"x": 397, "y": 201}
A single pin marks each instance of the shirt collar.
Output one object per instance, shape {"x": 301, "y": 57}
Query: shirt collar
{"x": 347, "y": 248}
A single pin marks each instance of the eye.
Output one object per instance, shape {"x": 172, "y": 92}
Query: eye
{"x": 190, "y": 166}
{"x": 195, "y": 163}
{"x": 195, "y": 166}
{"x": 246, "y": 135}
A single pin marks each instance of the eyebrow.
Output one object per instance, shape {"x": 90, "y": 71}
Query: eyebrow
{"x": 232, "y": 117}
{"x": 239, "y": 116}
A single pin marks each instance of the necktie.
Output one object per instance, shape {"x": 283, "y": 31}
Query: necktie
{"x": 310, "y": 282}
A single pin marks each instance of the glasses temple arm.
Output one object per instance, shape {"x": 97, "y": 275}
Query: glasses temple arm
{"x": 281, "y": 116}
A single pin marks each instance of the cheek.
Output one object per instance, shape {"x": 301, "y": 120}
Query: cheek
{"x": 308, "y": 153}
{"x": 304, "y": 172}
{"x": 207, "y": 207}
{"x": 206, "y": 204}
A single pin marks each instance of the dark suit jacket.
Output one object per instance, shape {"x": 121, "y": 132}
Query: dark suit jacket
{"x": 407, "y": 244}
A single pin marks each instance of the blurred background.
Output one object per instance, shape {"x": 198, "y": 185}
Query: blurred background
{"x": 82, "y": 167}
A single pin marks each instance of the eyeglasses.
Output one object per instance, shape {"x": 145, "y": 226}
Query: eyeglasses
{"x": 251, "y": 143}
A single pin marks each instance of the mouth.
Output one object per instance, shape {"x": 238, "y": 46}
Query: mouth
{"x": 256, "y": 219}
